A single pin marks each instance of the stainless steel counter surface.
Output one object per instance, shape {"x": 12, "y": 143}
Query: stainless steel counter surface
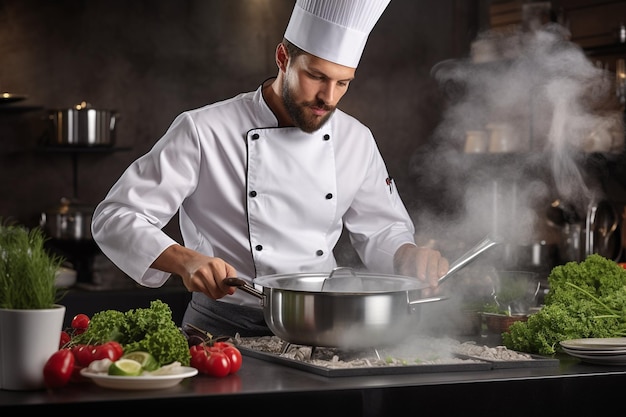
{"x": 572, "y": 388}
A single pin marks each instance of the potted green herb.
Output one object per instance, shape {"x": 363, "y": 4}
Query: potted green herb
{"x": 31, "y": 319}
{"x": 27, "y": 269}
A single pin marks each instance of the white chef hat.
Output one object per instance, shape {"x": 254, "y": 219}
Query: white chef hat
{"x": 335, "y": 30}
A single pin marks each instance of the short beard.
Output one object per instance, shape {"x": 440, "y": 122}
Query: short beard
{"x": 297, "y": 114}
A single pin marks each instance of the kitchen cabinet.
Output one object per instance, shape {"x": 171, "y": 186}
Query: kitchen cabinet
{"x": 592, "y": 23}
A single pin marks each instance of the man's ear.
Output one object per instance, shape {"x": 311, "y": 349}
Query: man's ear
{"x": 282, "y": 57}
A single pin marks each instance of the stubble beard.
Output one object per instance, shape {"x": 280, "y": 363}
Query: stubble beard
{"x": 307, "y": 122}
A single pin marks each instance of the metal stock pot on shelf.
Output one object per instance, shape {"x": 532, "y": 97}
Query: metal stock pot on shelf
{"x": 82, "y": 125}
{"x": 70, "y": 220}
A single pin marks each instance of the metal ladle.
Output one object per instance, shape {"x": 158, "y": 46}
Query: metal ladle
{"x": 468, "y": 257}
{"x": 345, "y": 279}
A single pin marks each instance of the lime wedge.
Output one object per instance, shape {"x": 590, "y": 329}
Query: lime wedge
{"x": 147, "y": 361}
{"x": 125, "y": 367}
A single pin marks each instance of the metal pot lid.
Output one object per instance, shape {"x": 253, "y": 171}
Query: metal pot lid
{"x": 359, "y": 282}
{"x": 82, "y": 106}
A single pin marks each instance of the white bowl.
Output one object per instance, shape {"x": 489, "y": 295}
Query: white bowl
{"x": 65, "y": 277}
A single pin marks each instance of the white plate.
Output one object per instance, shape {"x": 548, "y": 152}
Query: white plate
{"x": 608, "y": 343}
{"x": 599, "y": 359}
{"x": 139, "y": 382}
{"x": 606, "y": 352}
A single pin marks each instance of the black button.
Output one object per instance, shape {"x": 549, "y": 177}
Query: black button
{"x": 258, "y": 247}
{"x": 252, "y": 194}
{"x": 329, "y": 196}
{"x": 327, "y": 137}
{"x": 255, "y": 136}
{"x": 319, "y": 252}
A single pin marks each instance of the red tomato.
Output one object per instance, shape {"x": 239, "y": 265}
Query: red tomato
{"x": 80, "y": 322}
{"x": 119, "y": 350}
{"x": 198, "y": 357}
{"x": 85, "y": 354}
{"x": 209, "y": 360}
{"x": 58, "y": 368}
{"x": 221, "y": 345}
{"x": 217, "y": 364}
{"x": 65, "y": 339}
{"x": 234, "y": 356}
{"x": 109, "y": 350}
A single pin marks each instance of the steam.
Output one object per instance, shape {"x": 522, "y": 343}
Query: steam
{"x": 559, "y": 110}
{"x": 558, "y": 107}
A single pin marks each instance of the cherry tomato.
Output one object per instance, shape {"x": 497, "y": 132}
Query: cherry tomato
{"x": 217, "y": 364}
{"x": 109, "y": 350}
{"x": 209, "y": 360}
{"x": 199, "y": 359}
{"x": 65, "y": 339}
{"x": 80, "y": 323}
{"x": 85, "y": 354}
{"x": 58, "y": 368}
{"x": 234, "y": 356}
{"x": 119, "y": 350}
{"x": 221, "y": 345}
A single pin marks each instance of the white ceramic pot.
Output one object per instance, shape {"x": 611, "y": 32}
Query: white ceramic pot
{"x": 27, "y": 339}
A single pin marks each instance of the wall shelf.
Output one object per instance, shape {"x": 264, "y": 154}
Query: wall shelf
{"x": 81, "y": 149}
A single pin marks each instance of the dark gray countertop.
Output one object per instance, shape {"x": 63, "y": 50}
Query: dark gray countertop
{"x": 570, "y": 388}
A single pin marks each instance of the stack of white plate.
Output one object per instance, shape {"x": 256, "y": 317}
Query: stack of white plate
{"x": 602, "y": 351}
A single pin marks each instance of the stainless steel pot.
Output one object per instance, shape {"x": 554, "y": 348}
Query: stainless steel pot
{"x": 380, "y": 313}
{"x": 83, "y": 126}
{"x": 368, "y": 310}
{"x": 69, "y": 220}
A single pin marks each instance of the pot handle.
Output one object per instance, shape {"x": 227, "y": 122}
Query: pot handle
{"x": 469, "y": 256}
{"x": 414, "y": 304}
{"x": 244, "y": 286}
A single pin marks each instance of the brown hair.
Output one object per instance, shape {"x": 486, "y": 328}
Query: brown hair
{"x": 292, "y": 49}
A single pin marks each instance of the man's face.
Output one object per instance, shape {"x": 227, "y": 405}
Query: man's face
{"x": 312, "y": 88}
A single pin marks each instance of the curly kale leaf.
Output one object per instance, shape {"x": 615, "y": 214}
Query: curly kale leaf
{"x": 596, "y": 274}
{"x": 165, "y": 345}
{"x": 586, "y": 299}
{"x": 104, "y": 326}
{"x": 153, "y": 330}
{"x": 149, "y": 329}
{"x": 144, "y": 321}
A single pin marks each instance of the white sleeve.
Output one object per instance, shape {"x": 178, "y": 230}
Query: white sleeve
{"x": 127, "y": 224}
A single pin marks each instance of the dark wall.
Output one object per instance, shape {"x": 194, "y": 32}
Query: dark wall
{"x": 152, "y": 59}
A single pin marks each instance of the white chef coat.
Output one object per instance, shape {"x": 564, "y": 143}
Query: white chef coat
{"x": 264, "y": 198}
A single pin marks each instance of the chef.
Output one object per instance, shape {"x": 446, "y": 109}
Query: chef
{"x": 264, "y": 182}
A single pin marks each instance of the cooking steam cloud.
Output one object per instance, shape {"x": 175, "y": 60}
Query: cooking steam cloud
{"x": 527, "y": 115}
{"x": 543, "y": 110}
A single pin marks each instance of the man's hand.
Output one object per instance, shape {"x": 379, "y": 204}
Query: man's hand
{"x": 199, "y": 272}
{"x": 424, "y": 263}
